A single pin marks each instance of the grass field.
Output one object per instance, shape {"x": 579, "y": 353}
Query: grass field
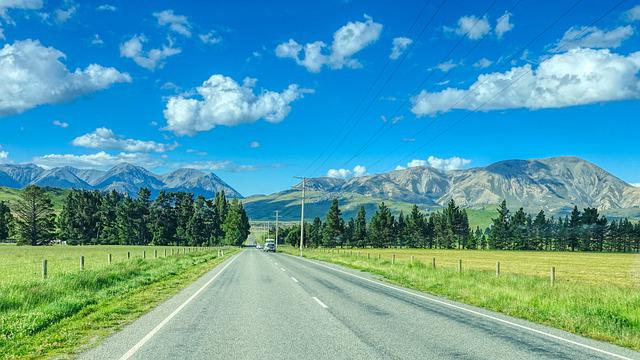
{"x": 595, "y": 295}
{"x": 57, "y": 196}
{"x": 73, "y": 309}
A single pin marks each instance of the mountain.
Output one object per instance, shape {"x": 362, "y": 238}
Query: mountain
{"x": 553, "y": 184}
{"x": 197, "y": 182}
{"x": 124, "y": 177}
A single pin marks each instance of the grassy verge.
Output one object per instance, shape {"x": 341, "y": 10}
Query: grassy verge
{"x": 600, "y": 311}
{"x": 66, "y": 314}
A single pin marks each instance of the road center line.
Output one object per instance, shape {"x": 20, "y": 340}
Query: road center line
{"x": 320, "y": 302}
{"x": 282, "y": 269}
{"x": 524, "y": 327}
{"x": 155, "y": 330}
{"x": 294, "y": 279}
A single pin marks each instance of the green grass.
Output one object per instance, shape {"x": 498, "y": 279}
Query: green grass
{"x": 604, "y": 305}
{"x": 57, "y": 196}
{"x": 73, "y": 310}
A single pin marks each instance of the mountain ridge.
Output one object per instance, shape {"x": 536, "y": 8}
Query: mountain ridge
{"x": 123, "y": 177}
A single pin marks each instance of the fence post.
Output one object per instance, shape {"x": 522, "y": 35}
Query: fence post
{"x": 378, "y": 256}
{"x": 44, "y": 269}
{"x": 412, "y": 259}
{"x": 81, "y": 262}
{"x": 459, "y": 265}
{"x": 368, "y": 256}
{"x": 393, "y": 259}
{"x": 553, "y": 275}
{"x": 171, "y": 252}
{"x": 128, "y": 255}
{"x": 144, "y": 254}
{"x": 433, "y": 263}
{"x": 165, "y": 252}
{"x": 109, "y": 259}
{"x": 155, "y": 253}
{"x": 498, "y": 268}
{"x": 222, "y": 252}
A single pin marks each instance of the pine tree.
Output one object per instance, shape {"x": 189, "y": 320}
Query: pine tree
{"x": 233, "y": 227}
{"x": 142, "y": 211}
{"x": 35, "y": 218}
{"x": 184, "y": 212}
{"x": 315, "y": 232}
{"x": 359, "y": 236}
{"x": 574, "y": 231}
{"x": 333, "y": 226}
{"x": 415, "y": 228}
{"x": 400, "y": 231}
{"x": 380, "y": 231}
{"x": 6, "y": 221}
{"x": 198, "y": 227}
{"x": 108, "y": 214}
{"x": 162, "y": 220}
{"x": 127, "y": 222}
{"x": 501, "y": 229}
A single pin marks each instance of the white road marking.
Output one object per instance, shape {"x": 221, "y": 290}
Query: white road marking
{"x": 283, "y": 269}
{"x": 164, "y": 322}
{"x": 524, "y": 327}
{"x": 294, "y": 279}
{"x": 320, "y": 302}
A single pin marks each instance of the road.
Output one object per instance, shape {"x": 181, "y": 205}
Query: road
{"x": 274, "y": 306}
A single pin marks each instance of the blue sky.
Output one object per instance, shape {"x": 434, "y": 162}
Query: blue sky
{"x": 259, "y": 92}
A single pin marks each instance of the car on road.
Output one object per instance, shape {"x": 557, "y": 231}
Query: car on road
{"x": 270, "y": 245}
{"x": 258, "y": 246}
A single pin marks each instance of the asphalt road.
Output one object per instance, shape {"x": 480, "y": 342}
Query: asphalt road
{"x": 274, "y": 306}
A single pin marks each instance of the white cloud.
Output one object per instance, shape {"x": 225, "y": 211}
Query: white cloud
{"x": 580, "y": 76}
{"x": 210, "y": 38}
{"x": 357, "y": 171}
{"x": 133, "y": 49}
{"x": 32, "y": 75}
{"x": 592, "y": 37}
{"x": 483, "y": 63}
{"x": 2, "y": 34}
{"x": 446, "y": 66}
{"x": 177, "y": 23}
{"x": 61, "y": 124}
{"x": 97, "y": 40}
{"x": 254, "y": 144}
{"x": 104, "y": 138}
{"x": 452, "y": 163}
{"x": 347, "y": 41}
{"x": 4, "y": 155}
{"x": 100, "y": 160}
{"x": 400, "y": 44}
{"x": 222, "y": 101}
{"x": 216, "y": 165}
{"x": 633, "y": 14}
{"x": 503, "y": 25}
{"x": 17, "y": 5}
{"x": 635, "y": 184}
{"x": 62, "y": 16}
{"x": 106, "y": 7}
{"x": 473, "y": 27}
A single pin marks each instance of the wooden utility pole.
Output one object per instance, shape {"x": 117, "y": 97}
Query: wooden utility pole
{"x": 302, "y": 215}
{"x": 276, "y": 231}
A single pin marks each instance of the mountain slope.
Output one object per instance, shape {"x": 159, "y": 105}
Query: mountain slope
{"x": 197, "y": 182}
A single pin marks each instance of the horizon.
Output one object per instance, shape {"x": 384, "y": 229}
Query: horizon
{"x": 263, "y": 109}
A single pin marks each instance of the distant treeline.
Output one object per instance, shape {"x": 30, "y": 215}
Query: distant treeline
{"x": 94, "y": 217}
{"x": 449, "y": 229}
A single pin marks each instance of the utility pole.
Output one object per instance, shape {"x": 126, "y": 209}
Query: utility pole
{"x": 276, "y": 230}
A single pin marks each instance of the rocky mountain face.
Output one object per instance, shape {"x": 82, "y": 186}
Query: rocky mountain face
{"x": 554, "y": 184}
{"x": 125, "y": 178}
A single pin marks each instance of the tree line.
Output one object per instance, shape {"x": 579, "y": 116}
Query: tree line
{"x": 449, "y": 229}
{"x": 111, "y": 218}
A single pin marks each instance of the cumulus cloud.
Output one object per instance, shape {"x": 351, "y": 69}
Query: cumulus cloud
{"x": 62, "y": 16}
{"x": 216, "y": 165}
{"x": 100, "y": 160}
{"x": 452, "y": 163}
{"x": 577, "y": 77}
{"x": 635, "y": 184}
{"x": 347, "y": 41}
{"x": 134, "y": 49}
{"x": 357, "y": 171}
{"x": 254, "y": 144}
{"x": 4, "y": 155}
{"x": 473, "y": 27}
{"x": 503, "y": 25}
{"x": 6, "y": 5}
{"x": 400, "y": 44}
{"x": 633, "y": 14}
{"x": 61, "y": 124}
{"x": 97, "y": 40}
{"x": 32, "y": 75}
{"x": 210, "y": 38}
{"x": 222, "y": 101}
{"x": 483, "y": 63}
{"x": 106, "y": 7}
{"x": 104, "y": 138}
{"x": 176, "y": 23}
{"x": 446, "y": 66}
{"x": 593, "y": 37}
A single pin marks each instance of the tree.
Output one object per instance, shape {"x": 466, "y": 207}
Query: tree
{"x": 6, "y": 221}
{"x": 333, "y": 226}
{"x": 108, "y": 213}
{"x": 142, "y": 211}
{"x": 233, "y": 227}
{"x": 415, "y": 228}
{"x": 400, "y": 231}
{"x": 162, "y": 220}
{"x": 500, "y": 230}
{"x": 35, "y": 217}
{"x": 199, "y": 228}
{"x": 315, "y": 232}
{"x": 380, "y": 232}
{"x": 359, "y": 236}
{"x": 184, "y": 212}
{"x": 574, "y": 230}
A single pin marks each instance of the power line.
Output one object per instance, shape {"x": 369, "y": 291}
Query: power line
{"x": 398, "y": 64}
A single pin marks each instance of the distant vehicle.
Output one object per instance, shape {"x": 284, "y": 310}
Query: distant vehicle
{"x": 258, "y": 246}
{"x": 270, "y": 245}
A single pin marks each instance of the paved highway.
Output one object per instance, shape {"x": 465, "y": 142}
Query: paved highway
{"x": 274, "y": 306}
